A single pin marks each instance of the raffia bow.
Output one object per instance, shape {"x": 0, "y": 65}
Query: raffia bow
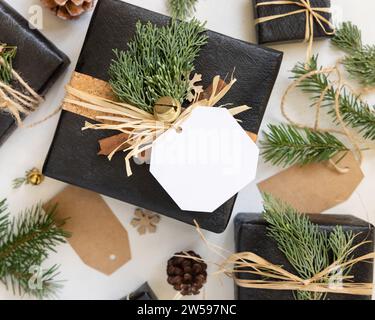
{"x": 18, "y": 102}
{"x": 312, "y": 14}
{"x": 140, "y": 127}
{"x": 274, "y": 277}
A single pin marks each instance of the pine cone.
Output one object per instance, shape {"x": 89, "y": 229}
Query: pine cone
{"x": 68, "y": 9}
{"x": 187, "y": 275}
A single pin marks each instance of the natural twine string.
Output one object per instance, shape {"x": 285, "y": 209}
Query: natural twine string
{"x": 312, "y": 14}
{"x": 14, "y": 101}
{"x": 345, "y": 131}
{"x": 275, "y": 277}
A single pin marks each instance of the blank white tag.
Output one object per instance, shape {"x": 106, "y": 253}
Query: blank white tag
{"x": 207, "y": 163}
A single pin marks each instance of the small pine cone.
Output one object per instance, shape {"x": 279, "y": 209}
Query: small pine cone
{"x": 68, "y": 9}
{"x": 186, "y": 274}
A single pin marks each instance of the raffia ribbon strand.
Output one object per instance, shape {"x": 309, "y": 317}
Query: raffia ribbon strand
{"x": 274, "y": 277}
{"x": 16, "y": 102}
{"x": 138, "y": 126}
{"x": 312, "y": 14}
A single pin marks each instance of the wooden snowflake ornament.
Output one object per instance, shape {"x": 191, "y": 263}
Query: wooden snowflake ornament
{"x": 145, "y": 221}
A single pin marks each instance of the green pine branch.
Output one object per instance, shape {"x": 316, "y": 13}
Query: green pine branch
{"x": 307, "y": 248}
{"x": 182, "y": 9}
{"x": 7, "y": 54}
{"x": 286, "y": 145}
{"x": 356, "y": 113}
{"x": 158, "y": 63}
{"x": 25, "y": 242}
{"x": 360, "y": 59}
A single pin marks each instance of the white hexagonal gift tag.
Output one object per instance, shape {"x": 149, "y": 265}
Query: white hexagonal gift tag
{"x": 207, "y": 162}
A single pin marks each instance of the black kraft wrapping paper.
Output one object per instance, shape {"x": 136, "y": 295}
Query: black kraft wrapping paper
{"x": 251, "y": 235}
{"x": 287, "y": 29}
{"x": 73, "y": 154}
{"x": 38, "y": 61}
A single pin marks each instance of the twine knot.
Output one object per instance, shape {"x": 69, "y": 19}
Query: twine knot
{"x": 312, "y": 14}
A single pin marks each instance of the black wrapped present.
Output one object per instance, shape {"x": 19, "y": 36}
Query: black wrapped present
{"x": 142, "y": 293}
{"x": 73, "y": 154}
{"x": 38, "y": 61}
{"x": 290, "y": 28}
{"x": 251, "y": 235}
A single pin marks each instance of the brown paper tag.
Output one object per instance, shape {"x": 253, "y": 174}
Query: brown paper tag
{"x": 315, "y": 188}
{"x": 98, "y": 237}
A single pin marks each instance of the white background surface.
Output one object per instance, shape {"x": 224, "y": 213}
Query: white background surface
{"x": 27, "y": 148}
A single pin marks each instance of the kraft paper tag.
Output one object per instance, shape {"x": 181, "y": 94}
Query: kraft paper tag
{"x": 98, "y": 237}
{"x": 315, "y": 188}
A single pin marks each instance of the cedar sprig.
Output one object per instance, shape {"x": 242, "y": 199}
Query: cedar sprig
{"x": 360, "y": 59}
{"x": 307, "y": 248}
{"x": 158, "y": 63}
{"x": 182, "y": 9}
{"x": 287, "y": 145}
{"x": 25, "y": 242}
{"x": 7, "y": 54}
{"x": 356, "y": 113}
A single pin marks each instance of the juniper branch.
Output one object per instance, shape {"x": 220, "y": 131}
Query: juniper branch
{"x": 356, "y": 113}
{"x": 286, "y": 145}
{"x": 182, "y": 9}
{"x": 305, "y": 245}
{"x": 7, "y": 54}
{"x": 158, "y": 63}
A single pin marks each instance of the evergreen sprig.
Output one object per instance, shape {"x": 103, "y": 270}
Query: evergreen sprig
{"x": 158, "y": 63}
{"x": 25, "y": 243}
{"x": 307, "y": 248}
{"x": 356, "y": 113}
{"x": 360, "y": 59}
{"x": 7, "y": 54}
{"x": 182, "y": 9}
{"x": 286, "y": 145}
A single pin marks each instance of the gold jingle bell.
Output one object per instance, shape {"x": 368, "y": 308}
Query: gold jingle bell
{"x": 167, "y": 109}
{"x": 34, "y": 177}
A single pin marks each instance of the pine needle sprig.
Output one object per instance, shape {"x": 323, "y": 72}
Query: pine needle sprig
{"x": 25, "y": 243}
{"x": 7, "y": 54}
{"x": 307, "y": 248}
{"x": 356, "y": 113}
{"x": 286, "y": 145}
{"x": 182, "y": 9}
{"x": 158, "y": 63}
{"x": 360, "y": 59}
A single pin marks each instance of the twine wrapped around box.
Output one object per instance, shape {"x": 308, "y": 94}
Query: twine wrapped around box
{"x": 312, "y": 14}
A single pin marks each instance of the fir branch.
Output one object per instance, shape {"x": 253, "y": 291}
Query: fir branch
{"x": 286, "y": 145}
{"x": 26, "y": 242}
{"x": 158, "y": 63}
{"x": 7, "y": 54}
{"x": 356, "y": 113}
{"x": 307, "y": 248}
{"x": 360, "y": 61}
{"x": 182, "y": 9}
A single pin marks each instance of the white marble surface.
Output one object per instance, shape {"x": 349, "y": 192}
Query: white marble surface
{"x": 28, "y": 147}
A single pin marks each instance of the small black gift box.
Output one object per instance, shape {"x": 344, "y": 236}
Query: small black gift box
{"x": 142, "y": 293}
{"x": 251, "y": 235}
{"x": 37, "y": 61}
{"x": 73, "y": 154}
{"x": 289, "y": 28}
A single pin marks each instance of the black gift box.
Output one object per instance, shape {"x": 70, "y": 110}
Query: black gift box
{"x": 73, "y": 154}
{"x": 38, "y": 61}
{"x": 251, "y": 235}
{"x": 142, "y": 293}
{"x": 290, "y": 28}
